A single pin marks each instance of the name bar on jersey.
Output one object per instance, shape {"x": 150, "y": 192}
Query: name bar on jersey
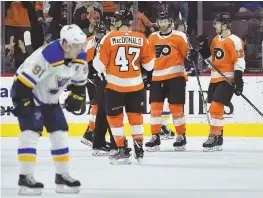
{"x": 126, "y": 40}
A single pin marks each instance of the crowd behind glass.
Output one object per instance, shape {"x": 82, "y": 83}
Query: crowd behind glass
{"x": 44, "y": 20}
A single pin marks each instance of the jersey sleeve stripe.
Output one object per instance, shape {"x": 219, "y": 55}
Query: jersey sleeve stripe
{"x": 76, "y": 60}
{"x": 57, "y": 63}
{"x": 27, "y": 80}
{"x": 149, "y": 66}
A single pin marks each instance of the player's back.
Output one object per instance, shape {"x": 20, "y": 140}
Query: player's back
{"x": 121, "y": 53}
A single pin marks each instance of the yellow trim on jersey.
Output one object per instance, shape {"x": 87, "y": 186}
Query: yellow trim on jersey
{"x": 62, "y": 158}
{"x": 57, "y": 63}
{"x": 76, "y": 60}
{"x": 25, "y": 81}
{"x": 27, "y": 158}
{"x": 80, "y": 84}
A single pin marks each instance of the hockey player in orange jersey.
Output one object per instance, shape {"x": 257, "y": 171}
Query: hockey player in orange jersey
{"x": 121, "y": 54}
{"x": 168, "y": 79}
{"x": 227, "y": 54}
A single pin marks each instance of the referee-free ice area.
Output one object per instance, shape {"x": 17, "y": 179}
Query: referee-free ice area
{"x": 236, "y": 172}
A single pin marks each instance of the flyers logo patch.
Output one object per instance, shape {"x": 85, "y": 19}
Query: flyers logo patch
{"x": 162, "y": 50}
{"x": 219, "y": 53}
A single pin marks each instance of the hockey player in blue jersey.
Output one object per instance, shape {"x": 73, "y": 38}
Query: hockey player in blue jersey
{"x": 38, "y": 83}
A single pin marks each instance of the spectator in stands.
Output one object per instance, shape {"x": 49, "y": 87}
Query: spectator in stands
{"x": 109, "y": 7}
{"x": 142, "y": 21}
{"x": 15, "y": 55}
{"x": 18, "y": 19}
{"x": 86, "y": 17}
{"x": 58, "y": 10}
{"x": 42, "y": 8}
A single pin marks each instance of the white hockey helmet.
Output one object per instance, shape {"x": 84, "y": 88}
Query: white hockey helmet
{"x": 72, "y": 34}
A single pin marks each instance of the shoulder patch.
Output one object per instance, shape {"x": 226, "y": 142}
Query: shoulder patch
{"x": 54, "y": 54}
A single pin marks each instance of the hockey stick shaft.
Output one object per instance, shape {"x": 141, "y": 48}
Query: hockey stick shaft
{"x": 226, "y": 79}
{"x": 196, "y": 73}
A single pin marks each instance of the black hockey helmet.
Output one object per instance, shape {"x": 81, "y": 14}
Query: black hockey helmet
{"x": 163, "y": 15}
{"x": 125, "y": 16}
{"x": 100, "y": 27}
{"x": 223, "y": 19}
{"x": 100, "y": 30}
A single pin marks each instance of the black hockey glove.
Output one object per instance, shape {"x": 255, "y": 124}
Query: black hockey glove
{"x": 74, "y": 102}
{"x": 238, "y": 82}
{"x": 76, "y": 98}
{"x": 147, "y": 79}
{"x": 203, "y": 46}
{"x": 192, "y": 55}
{"x": 23, "y": 107}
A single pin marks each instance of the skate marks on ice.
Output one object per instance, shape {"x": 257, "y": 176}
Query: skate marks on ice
{"x": 237, "y": 171}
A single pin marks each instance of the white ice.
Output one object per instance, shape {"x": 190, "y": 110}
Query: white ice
{"x": 236, "y": 172}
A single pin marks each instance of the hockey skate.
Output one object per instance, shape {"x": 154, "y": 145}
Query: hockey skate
{"x": 138, "y": 151}
{"x": 102, "y": 151}
{"x": 66, "y": 184}
{"x": 29, "y": 186}
{"x": 153, "y": 144}
{"x": 87, "y": 138}
{"x": 213, "y": 143}
{"x": 120, "y": 156}
{"x": 166, "y": 133}
{"x": 180, "y": 143}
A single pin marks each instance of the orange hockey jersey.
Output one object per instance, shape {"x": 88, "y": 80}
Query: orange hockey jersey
{"x": 122, "y": 53}
{"x": 170, "y": 52}
{"x": 227, "y": 56}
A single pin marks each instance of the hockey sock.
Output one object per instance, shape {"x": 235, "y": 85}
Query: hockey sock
{"x": 217, "y": 118}
{"x": 60, "y": 150}
{"x": 27, "y": 151}
{"x": 117, "y": 129}
{"x": 156, "y": 117}
{"x": 166, "y": 117}
{"x": 136, "y": 122}
{"x": 177, "y": 111}
{"x": 92, "y": 117}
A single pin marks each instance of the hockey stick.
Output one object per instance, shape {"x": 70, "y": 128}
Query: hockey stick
{"x": 218, "y": 71}
{"x": 61, "y": 105}
{"x": 196, "y": 74}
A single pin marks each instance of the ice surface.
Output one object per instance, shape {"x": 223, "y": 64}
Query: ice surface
{"x": 236, "y": 172}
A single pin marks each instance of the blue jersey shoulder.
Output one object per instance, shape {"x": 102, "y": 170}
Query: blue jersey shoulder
{"x": 81, "y": 58}
{"x": 53, "y": 53}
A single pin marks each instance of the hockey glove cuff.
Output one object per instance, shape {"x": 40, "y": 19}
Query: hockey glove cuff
{"x": 238, "y": 82}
